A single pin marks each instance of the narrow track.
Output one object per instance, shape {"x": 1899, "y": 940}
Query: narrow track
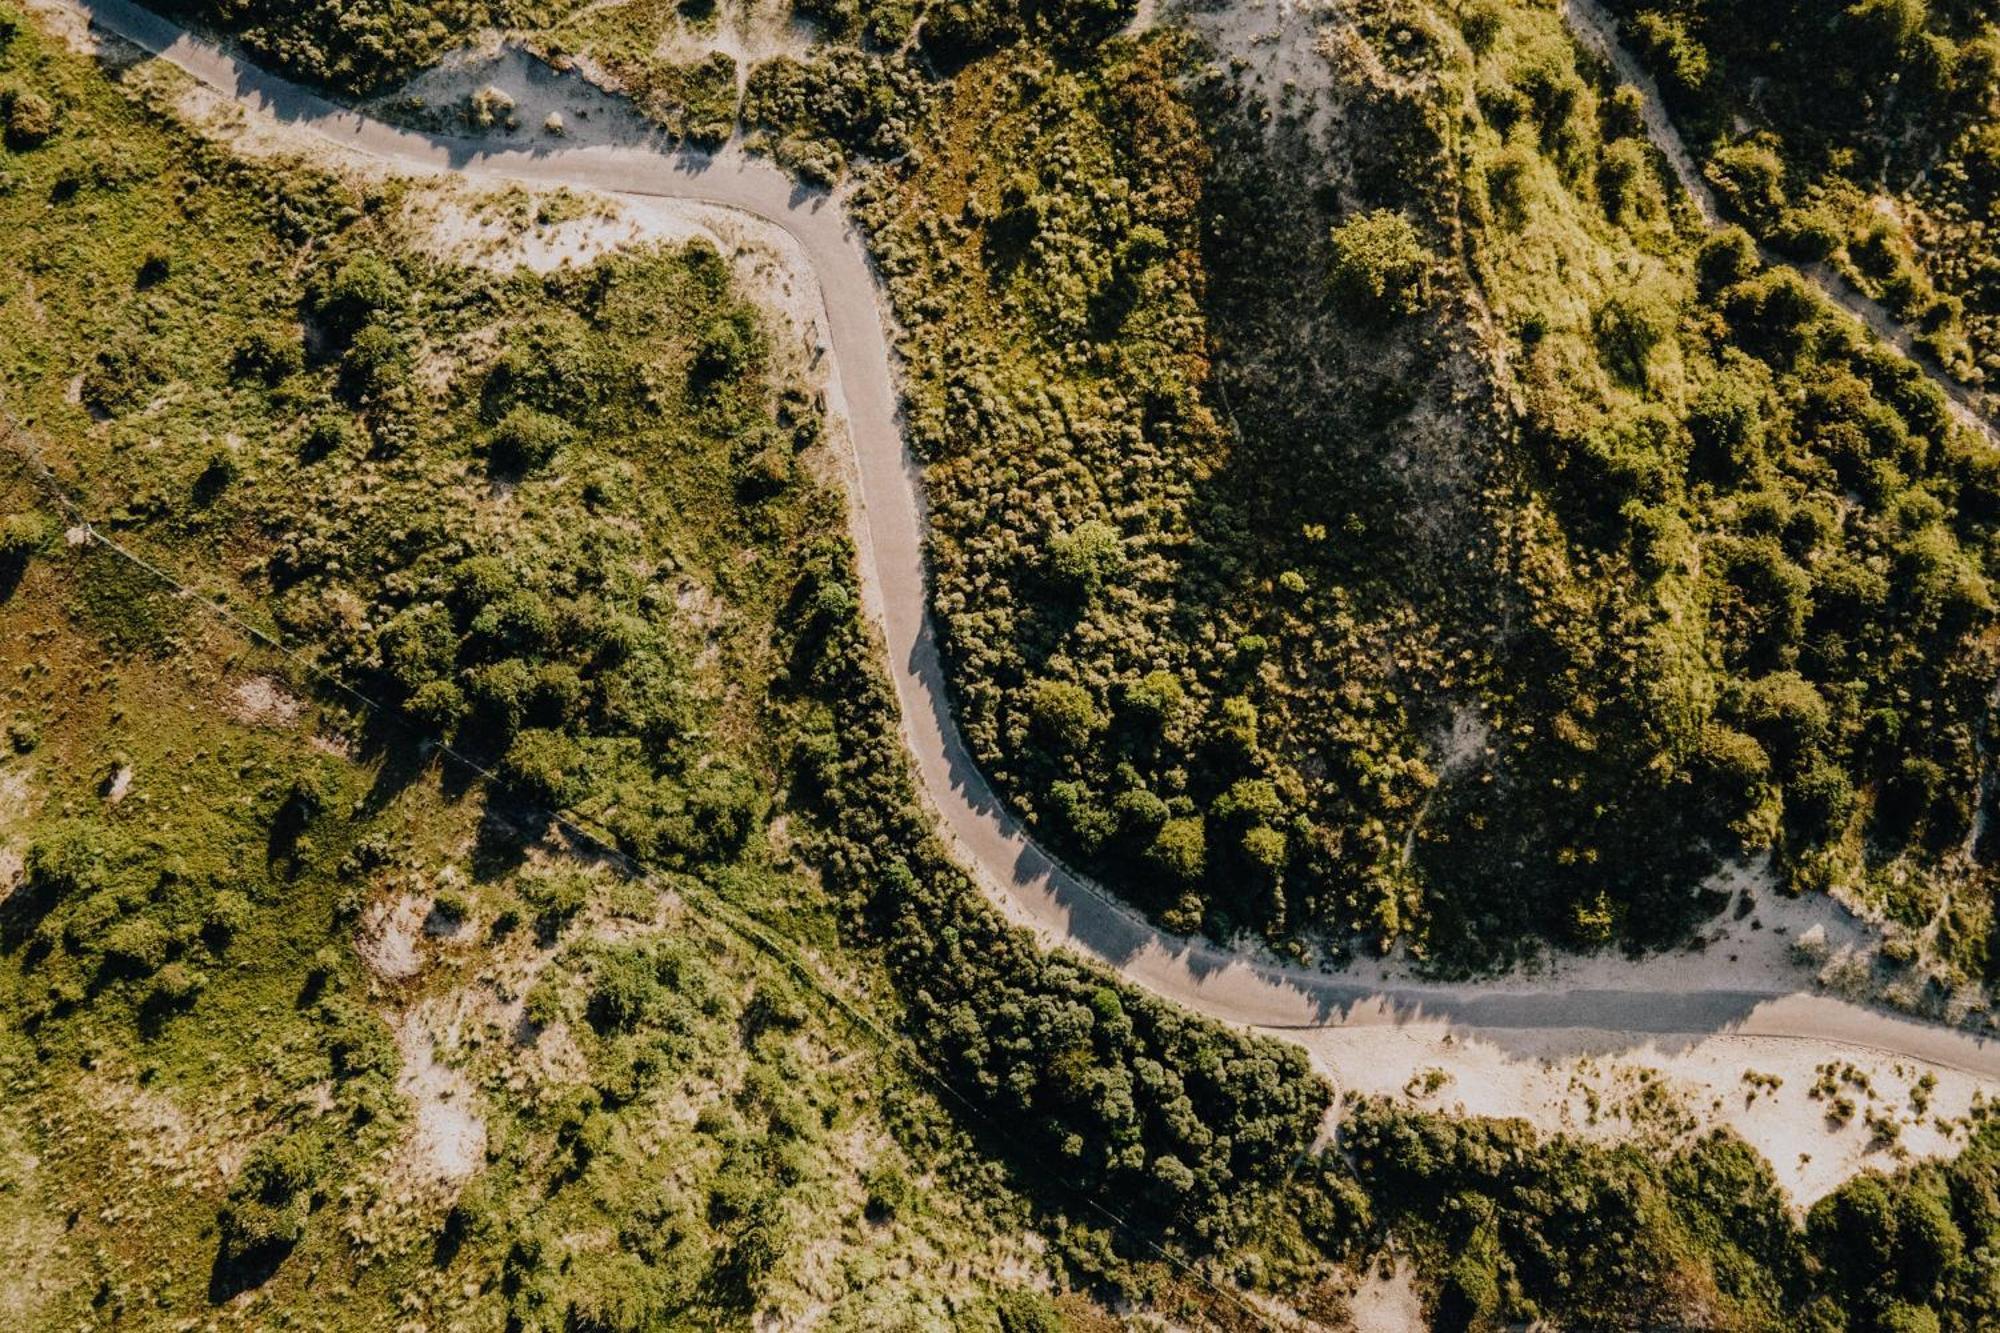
{"x": 1598, "y": 30}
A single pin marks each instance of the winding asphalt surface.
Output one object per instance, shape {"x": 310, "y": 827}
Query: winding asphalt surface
{"x": 1063, "y": 908}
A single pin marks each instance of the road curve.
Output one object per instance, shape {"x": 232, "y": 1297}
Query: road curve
{"x": 1028, "y": 885}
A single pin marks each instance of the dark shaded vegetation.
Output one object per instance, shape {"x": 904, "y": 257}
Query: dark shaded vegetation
{"x": 1174, "y": 1119}
{"x": 354, "y": 46}
{"x": 1362, "y": 629}
{"x": 524, "y": 542}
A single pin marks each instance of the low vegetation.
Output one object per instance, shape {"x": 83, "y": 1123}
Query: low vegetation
{"x": 1514, "y": 1228}
{"x": 1426, "y": 532}
{"x": 1861, "y": 135}
{"x": 1422, "y": 533}
{"x": 554, "y": 523}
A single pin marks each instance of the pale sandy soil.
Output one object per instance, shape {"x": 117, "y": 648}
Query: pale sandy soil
{"x": 1748, "y": 946}
{"x": 262, "y": 699}
{"x": 1279, "y": 48}
{"x": 1387, "y": 1302}
{"x": 448, "y": 1138}
{"x": 750, "y": 34}
{"x": 1554, "y": 1080}
{"x": 17, "y": 807}
{"x": 388, "y": 936}
{"x": 1573, "y": 1082}
{"x": 33, "y": 1249}
{"x": 587, "y": 114}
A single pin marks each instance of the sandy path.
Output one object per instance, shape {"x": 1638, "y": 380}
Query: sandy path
{"x": 1064, "y": 909}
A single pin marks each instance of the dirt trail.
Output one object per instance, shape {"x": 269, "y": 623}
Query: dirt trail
{"x": 1598, "y": 30}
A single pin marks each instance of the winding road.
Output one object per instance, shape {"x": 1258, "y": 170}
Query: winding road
{"x": 1032, "y": 888}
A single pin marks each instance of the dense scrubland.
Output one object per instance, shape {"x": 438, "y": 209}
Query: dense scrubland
{"x": 1399, "y": 520}
{"x": 1862, "y": 135}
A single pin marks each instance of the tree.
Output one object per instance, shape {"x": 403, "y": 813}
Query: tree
{"x": 1082, "y": 559}
{"x": 1180, "y": 849}
{"x": 541, "y": 766}
{"x": 1380, "y": 268}
{"x": 1063, "y": 715}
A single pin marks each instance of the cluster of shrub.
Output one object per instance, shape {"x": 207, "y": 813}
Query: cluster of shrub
{"x": 354, "y": 46}
{"x": 1804, "y": 113}
{"x": 815, "y": 114}
{"x": 1515, "y": 1228}
{"x": 134, "y": 928}
{"x": 1085, "y": 1083}
{"x": 552, "y": 653}
{"x": 1720, "y": 586}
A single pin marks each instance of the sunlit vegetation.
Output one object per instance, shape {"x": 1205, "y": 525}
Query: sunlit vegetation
{"x": 1424, "y": 534}
{"x": 1377, "y": 627}
{"x": 556, "y": 523}
{"x": 1861, "y": 134}
{"x": 1513, "y": 1227}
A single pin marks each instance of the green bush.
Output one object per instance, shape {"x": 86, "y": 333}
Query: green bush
{"x": 1380, "y": 267}
{"x": 525, "y": 441}
{"x": 27, "y": 119}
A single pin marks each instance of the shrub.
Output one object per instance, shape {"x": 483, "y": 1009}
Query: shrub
{"x": 358, "y": 291}
{"x": 1180, "y": 850}
{"x": 268, "y": 354}
{"x": 377, "y": 362}
{"x": 525, "y": 440}
{"x": 1063, "y": 715}
{"x": 1726, "y": 257}
{"x": 1083, "y": 559}
{"x": 1380, "y": 267}
{"x": 542, "y": 767}
{"x": 329, "y": 433}
{"x": 30, "y": 119}
{"x": 555, "y": 897}
{"x": 21, "y": 536}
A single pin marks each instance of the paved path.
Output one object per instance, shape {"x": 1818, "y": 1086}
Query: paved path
{"x": 1027, "y": 884}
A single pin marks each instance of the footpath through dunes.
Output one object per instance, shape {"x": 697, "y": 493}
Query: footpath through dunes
{"x": 1599, "y": 30}
{"x": 1030, "y": 886}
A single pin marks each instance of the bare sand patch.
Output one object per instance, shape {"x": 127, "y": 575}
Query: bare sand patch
{"x": 448, "y": 1137}
{"x": 16, "y": 808}
{"x": 33, "y": 1250}
{"x": 502, "y": 231}
{"x": 263, "y": 700}
{"x": 1673, "y": 1088}
{"x": 1386, "y": 1301}
{"x": 388, "y": 935}
{"x": 1749, "y": 945}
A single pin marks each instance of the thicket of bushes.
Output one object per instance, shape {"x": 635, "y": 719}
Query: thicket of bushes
{"x": 1169, "y": 1119}
{"x": 354, "y": 46}
{"x": 516, "y": 509}
{"x": 1513, "y": 1227}
{"x": 1700, "y": 573}
{"x": 1841, "y": 104}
